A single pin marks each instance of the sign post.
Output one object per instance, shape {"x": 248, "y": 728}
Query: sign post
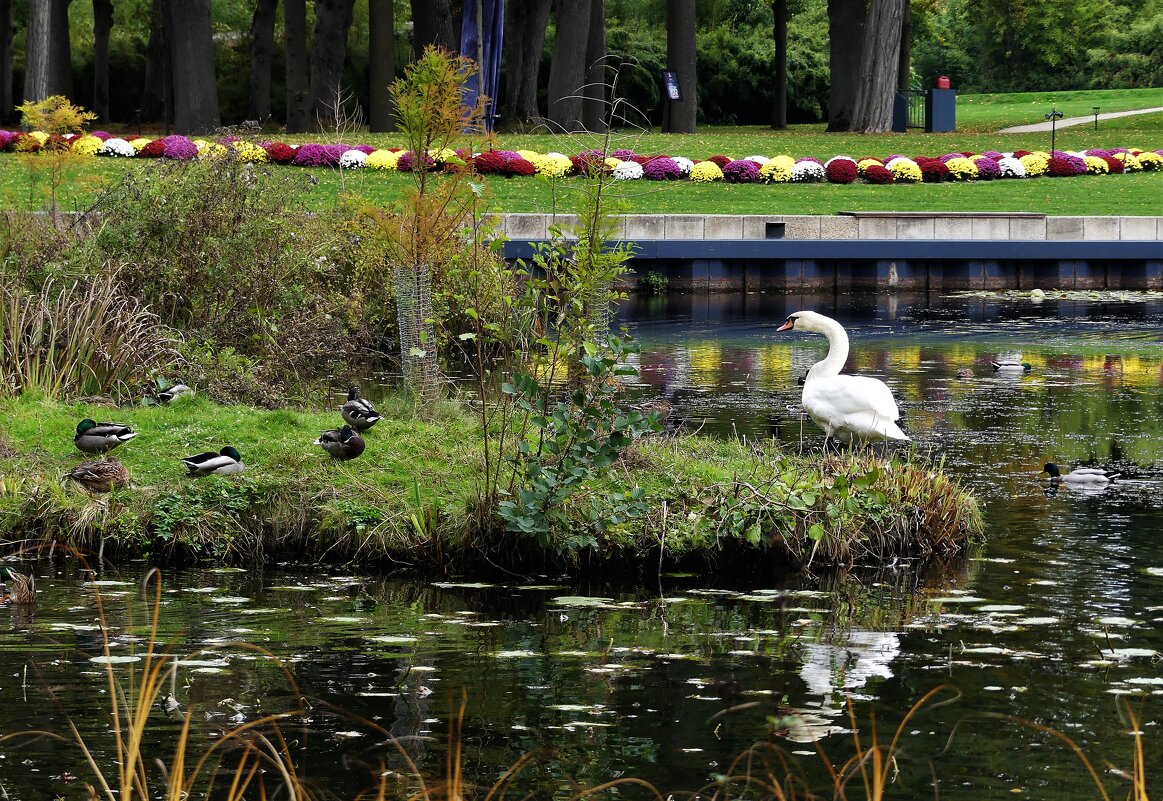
{"x": 671, "y": 93}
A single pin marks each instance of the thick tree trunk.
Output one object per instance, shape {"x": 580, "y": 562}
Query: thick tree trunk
{"x": 48, "y": 66}
{"x": 524, "y": 40}
{"x": 595, "y": 108}
{"x": 328, "y": 51}
{"x": 157, "y": 92}
{"x": 432, "y": 24}
{"x": 192, "y": 66}
{"x": 845, "y": 42}
{"x": 262, "y": 53}
{"x": 295, "y": 49}
{"x": 381, "y": 63}
{"x": 681, "y": 56}
{"x": 905, "y": 67}
{"x": 6, "y": 31}
{"x": 102, "y": 25}
{"x": 879, "y": 62}
{"x": 779, "y": 31}
{"x": 568, "y": 71}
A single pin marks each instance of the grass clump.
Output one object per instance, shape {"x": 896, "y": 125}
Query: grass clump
{"x": 412, "y": 497}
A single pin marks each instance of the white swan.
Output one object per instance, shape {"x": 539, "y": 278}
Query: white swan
{"x": 848, "y": 407}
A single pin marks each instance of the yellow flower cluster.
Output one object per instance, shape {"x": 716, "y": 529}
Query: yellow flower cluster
{"x": 1149, "y": 161}
{"x": 774, "y": 172}
{"x": 905, "y": 171}
{"x": 1130, "y": 163}
{"x": 864, "y": 164}
{"x": 783, "y": 160}
{"x": 249, "y": 152}
{"x": 382, "y": 160}
{"x": 706, "y": 171}
{"x": 139, "y": 143}
{"x": 86, "y": 145}
{"x": 551, "y": 165}
{"x": 1035, "y": 164}
{"x": 961, "y": 168}
{"x": 211, "y": 150}
{"x": 39, "y": 136}
{"x": 1095, "y": 165}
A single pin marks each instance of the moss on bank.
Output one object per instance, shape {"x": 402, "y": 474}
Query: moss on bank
{"x": 411, "y": 498}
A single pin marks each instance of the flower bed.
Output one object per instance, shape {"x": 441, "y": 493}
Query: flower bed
{"x": 621, "y": 165}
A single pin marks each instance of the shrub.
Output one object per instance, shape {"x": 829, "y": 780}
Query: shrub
{"x": 987, "y": 169}
{"x": 519, "y": 167}
{"x": 774, "y": 172}
{"x": 117, "y": 148}
{"x": 1060, "y": 168}
{"x": 719, "y": 160}
{"x": 382, "y": 160}
{"x": 1035, "y": 164}
{"x": 661, "y": 168}
{"x": 808, "y": 171}
{"x": 178, "y": 148}
{"x": 280, "y": 152}
{"x": 1010, "y": 167}
{"x": 706, "y": 172}
{"x": 352, "y": 160}
{"x": 905, "y": 170}
{"x": 489, "y": 163}
{"x": 153, "y": 150}
{"x": 961, "y": 169}
{"x": 628, "y": 171}
{"x": 315, "y": 156}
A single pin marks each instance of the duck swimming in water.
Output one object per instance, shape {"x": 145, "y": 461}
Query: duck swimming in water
{"x": 1081, "y": 476}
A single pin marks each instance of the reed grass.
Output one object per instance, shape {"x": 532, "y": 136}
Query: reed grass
{"x": 83, "y": 338}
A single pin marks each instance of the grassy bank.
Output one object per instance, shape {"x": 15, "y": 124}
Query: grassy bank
{"x": 410, "y": 498}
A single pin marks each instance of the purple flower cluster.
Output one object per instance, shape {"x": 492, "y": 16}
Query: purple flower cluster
{"x": 662, "y": 168}
{"x": 624, "y": 155}
{"x": 408, "y": 161}
{"x": 315, "y": 156}
{"x": 1099, "y": 153}
{"x": 993, "y": 154}
{"x": 179, "y": 148}
{"x": 741, "y": 172}
{"x": 987, "y": 169}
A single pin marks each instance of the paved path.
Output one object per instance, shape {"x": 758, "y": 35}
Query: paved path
{"x": 1068, "y": 121}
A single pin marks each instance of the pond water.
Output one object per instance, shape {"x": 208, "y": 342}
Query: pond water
{"x": 1057, "y": 620}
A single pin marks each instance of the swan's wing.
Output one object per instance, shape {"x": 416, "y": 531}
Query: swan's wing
{"x": 851, "y": 394}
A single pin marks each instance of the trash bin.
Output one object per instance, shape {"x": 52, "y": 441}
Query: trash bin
{"x": 940, "y": 110}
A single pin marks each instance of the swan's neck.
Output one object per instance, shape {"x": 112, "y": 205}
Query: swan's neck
{"x": 833, "y": 363}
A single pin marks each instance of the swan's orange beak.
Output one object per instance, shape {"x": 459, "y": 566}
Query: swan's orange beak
{"x": 786, "y": 326}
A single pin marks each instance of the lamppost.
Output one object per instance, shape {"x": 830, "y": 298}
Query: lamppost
{"x": 1095, "y": 117}
{"x": 1053, "y": 115}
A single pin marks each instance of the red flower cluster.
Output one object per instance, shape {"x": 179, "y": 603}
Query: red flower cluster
{"x": 154, "y": 150}
{"x": 280, "y": 152}
{"x": 1060, "y": 168}
{"x": 521, "y": 167}
{"x": 878, "y": 174}
{"x": 1114, "y": 164}
{"x": 933, "y": 171}
{"x": 841, "y": 171}
{"x": 489, "y": 163}
{"x": 588, "y": 163}
{"x": 720, "y": 161}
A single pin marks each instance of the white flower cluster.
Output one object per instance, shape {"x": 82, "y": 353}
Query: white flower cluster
{"x": 1010, "y": 167}
{"x": 118, "y": 148}
{"x": 352, "y": 160}
{"x": 684, "y": 164}
{"x": 627, "y": 171}
{"x": 807, "y": 172}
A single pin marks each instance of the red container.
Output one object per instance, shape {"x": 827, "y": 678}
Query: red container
{"x": 943, "y": 82}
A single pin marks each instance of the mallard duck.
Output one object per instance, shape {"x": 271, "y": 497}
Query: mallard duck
{"x": 357, "y": 412}
{"x": 1093, "y": 476}
{"x": 176, "y": 391}
{"x": 342, "y": 443}
{"x": 100, "y": 475}
{"x": 224, "y": 463}
{"x": 95, "y": 437}
{"x": 848, "y": 407}
{"x": 1011, "y": 366}
{"x": 22, "y": 590}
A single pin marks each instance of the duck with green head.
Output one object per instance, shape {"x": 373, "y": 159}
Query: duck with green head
{"x": 358, "y": 412}
{"x": 16, "y": 587}
{"x": 100, "y": 475}
{"x": 341, "y": 443}
{"x": 224, "y": 463}
{"x": 94, "y": 437}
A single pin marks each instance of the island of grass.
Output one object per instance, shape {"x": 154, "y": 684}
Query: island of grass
{"x": 414, "y": 498}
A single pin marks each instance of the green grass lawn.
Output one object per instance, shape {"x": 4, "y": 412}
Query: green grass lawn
{"x": 978, "y": 117}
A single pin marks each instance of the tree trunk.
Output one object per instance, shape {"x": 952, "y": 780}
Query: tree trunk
{"x": 595, "y": 108}
{"x": 328, "y": 51}
{"x": 262, "y": 53}
{"x": 905, "y": 67}
{"x": 879, "y": 62}
{"x": 845, "y": 42}
{"x": 568, "y": 71}
{"x": 432, "y": 24}
{"x": 681, "y": 56}
{"x": 779, "y": 30}
{"x": 157, "y": 92}
{"x": 295, "y": 48}
{"x": 102, "y": 25}
{"x": 524, "y": 40}
{"x": 381, "y": 63}
{"x": 6, "y": 31}
{"x": 48, "y": 66}
{"x": 192, "y": 66}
